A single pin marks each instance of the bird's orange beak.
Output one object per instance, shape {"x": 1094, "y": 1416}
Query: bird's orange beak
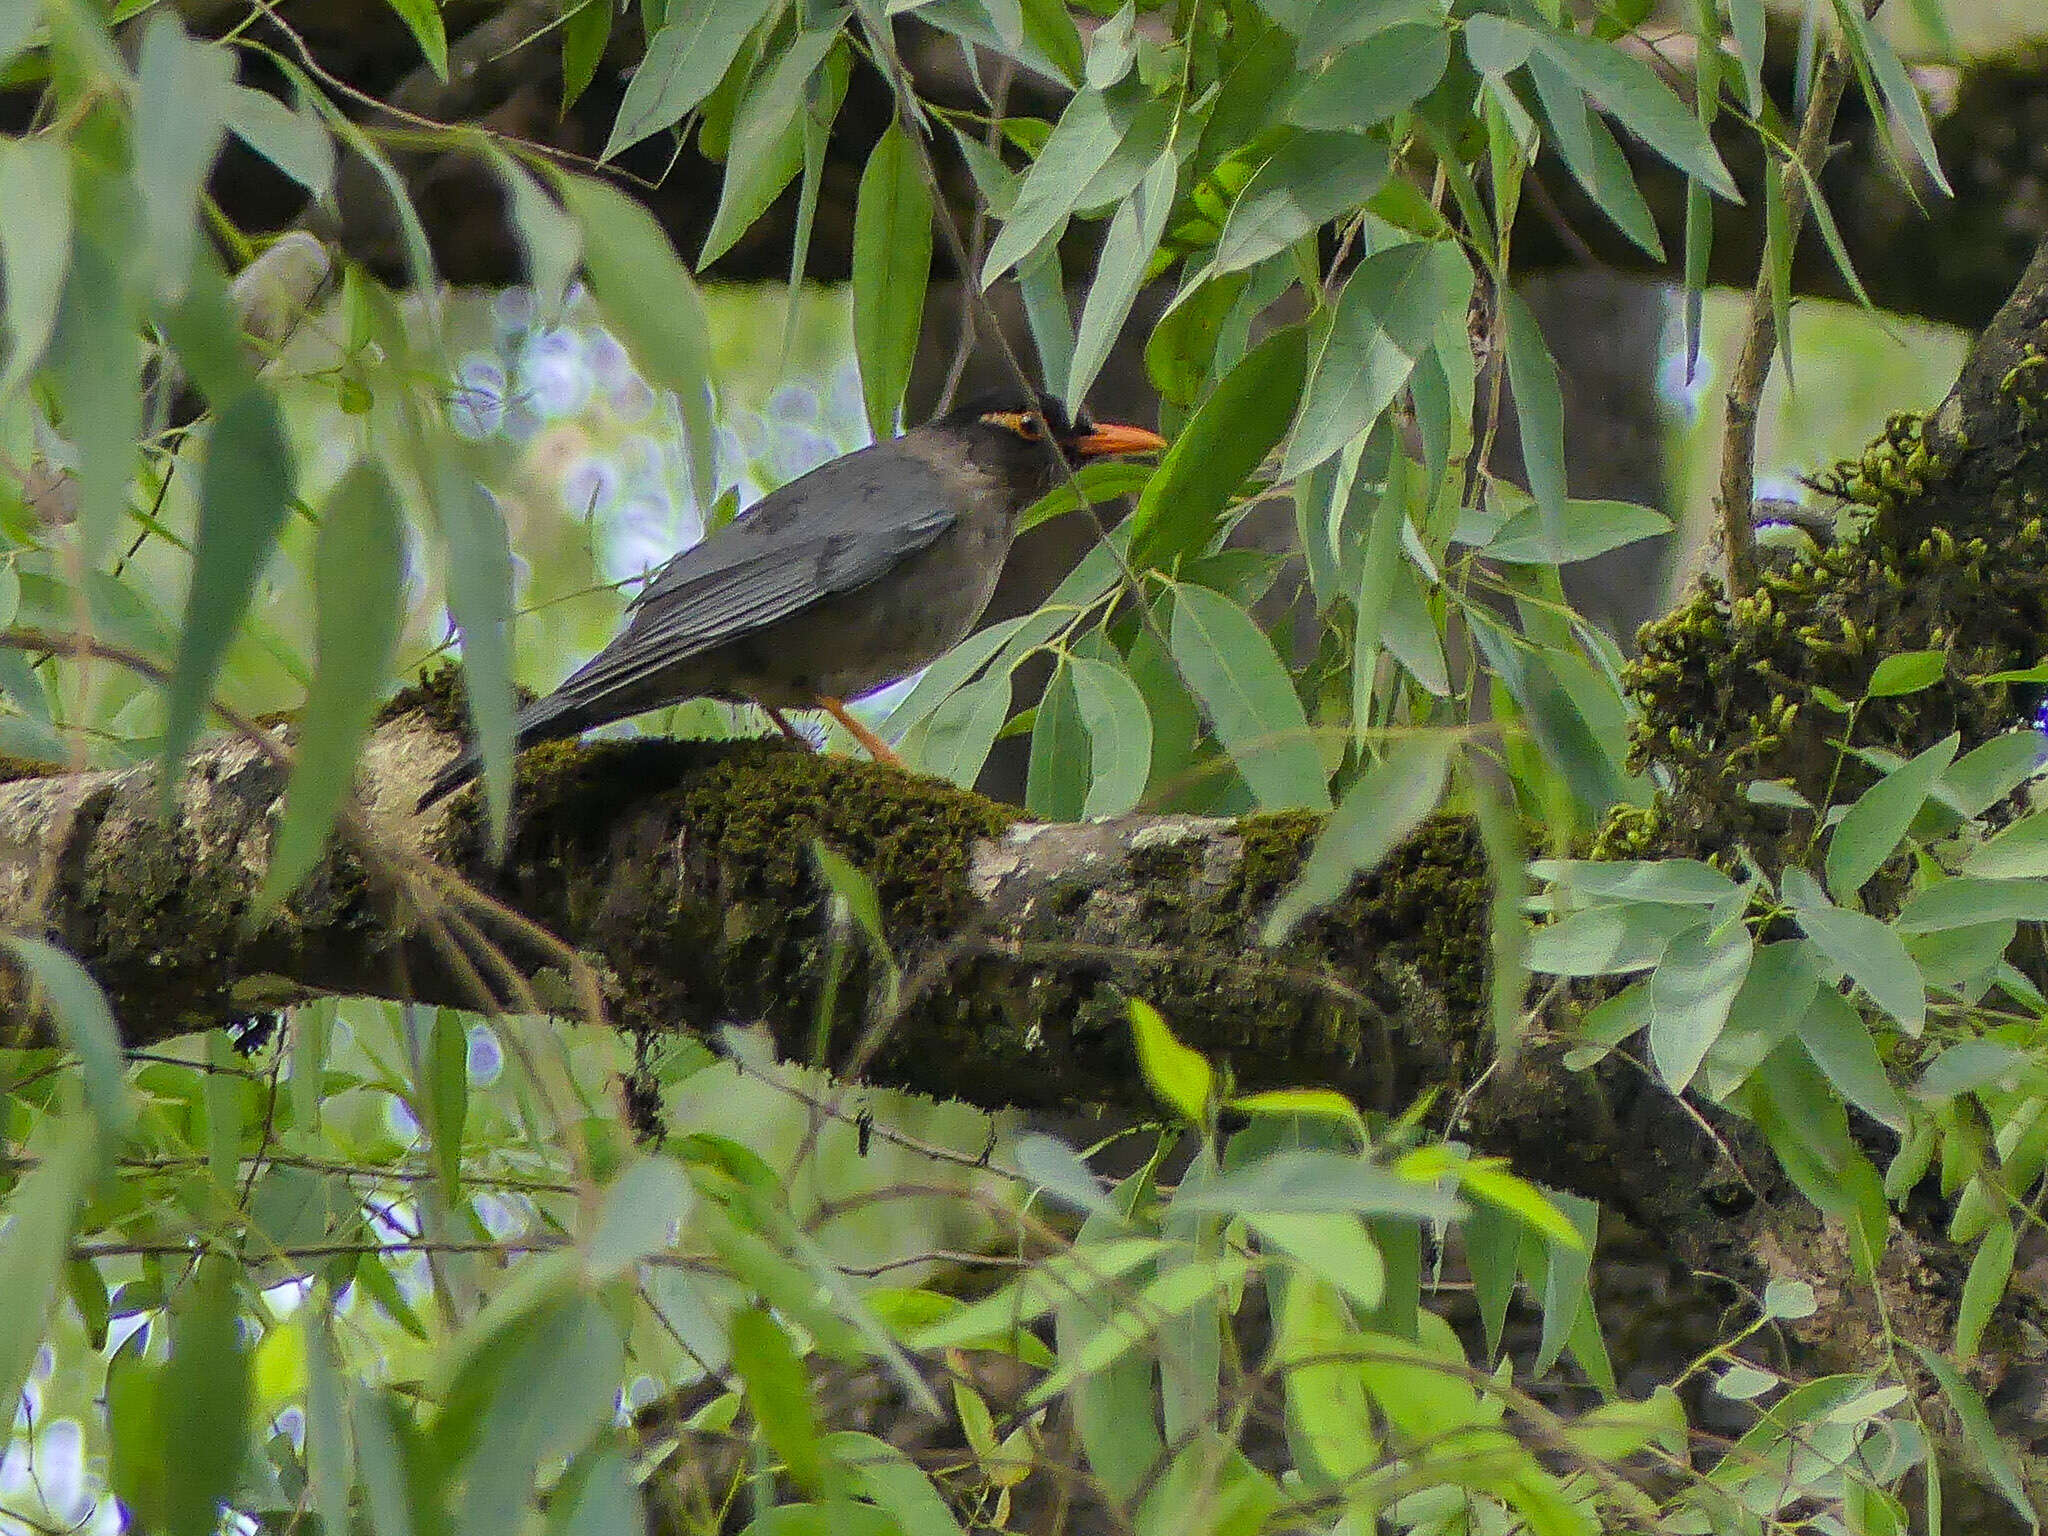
{"x": 1114, "y": 437}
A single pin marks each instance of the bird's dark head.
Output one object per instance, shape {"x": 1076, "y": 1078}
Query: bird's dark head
{"x": 1007, "y": 431}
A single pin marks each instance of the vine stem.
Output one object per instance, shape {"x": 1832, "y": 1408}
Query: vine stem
{"x": 1760, "y": 332}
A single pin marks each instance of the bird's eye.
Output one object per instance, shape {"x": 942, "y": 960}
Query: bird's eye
{"x": 1030, "y": 428}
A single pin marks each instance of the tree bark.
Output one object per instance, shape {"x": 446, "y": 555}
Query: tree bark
{"x": 684, "y": 874}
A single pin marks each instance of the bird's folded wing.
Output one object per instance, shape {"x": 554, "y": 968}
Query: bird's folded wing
{"x": 684, "y": 611}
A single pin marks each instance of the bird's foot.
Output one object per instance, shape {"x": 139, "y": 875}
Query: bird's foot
{"x": 796, "y": 736}
{"x": 876, "y": 748}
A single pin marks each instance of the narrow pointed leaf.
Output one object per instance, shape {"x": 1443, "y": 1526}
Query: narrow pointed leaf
{"x": 1119, "y": 730}
{"x": 892, "y": 262}
{"x": 35, "y": 253}
{"x": 245, "y": 492}
{"x": 359, "y": 586}
{"x": 1386, "y": 319}
{"x": 685, "y": 59}
{"x": 1133, "y": 236}
{"x": 1249, "y": 699}
{"x": 1387, "y": 803}
{"x": 86, "y": 1026}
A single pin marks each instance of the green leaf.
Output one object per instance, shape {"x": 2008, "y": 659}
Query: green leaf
{"x": 1303, "y": 1104}
{"x": 1176, "y": 1291}
{"x": 1566, "y": 1293}
{"x": 767, "y": 134}
{"x": 1181, "y": 1077}
{"x": 542, "y": 1388}
{"x": 97, "y": 363}
{"x": 1609, "y": 941}
{"x": 34, "y": 253}
{"x": 952, "y": 670}
{"x": 1053, "y": 1166}
{"x": 1691, "y": 992}
{"x": 1782, "y": 983}
{"x": 445, "y": 1093}
{"x": 1970, "y": 1065}
{"x": 1497, "y": 46}
{"x": 1386, "y": 319}
{"x": 1681, "y": 881}
{"x": 685, "y": 59}
{"x": 1087, "y": 134}
{"x": 19, "y": 21}
{"x": 1079, "y": 1271}
{"x": 34, "y": 1240}
{"x": 1906, "y": 672}
{"x": 894, "y": 1483}
{"x": 892, "y": 261}
{"x": 1119, "y": 736}
{"x": 359, "y": 586}
{"x": 778, "y": 1392}
{"x": 181, "y": 121}
{"x": 297, "y": 143}
{"x": 1789, "y": 1299}
{"x": 1627, "y": 87}
{"x": 423, "y": 18}
{"x": 1249, "y": 699}
{"x": 850, "y": 884}
{"x": 1181, "y": 350}
{"x": 1539, "y": 412}
{"x": 1590, "y": 528}
{"x": 329, "y": 1457}
{"x": 1965, "y": 902}
{"x": 957, "y": 738}
{"x": 1896, "y": 88}
{"x": 1309, "y": 180}
{"x": 1981, "y": 1442}
{"x": 245, "y": 493}
{"x": 1487, "y": 1181}
{"x": 1990, "y": 1269}
{"x": 597, "y": 1496}
{"x": 551, "y": 239}
{"x": 1839, "y": 1042}
{"x": 1371, "y": 81}
{"x": 647, "y": 299}
{"x": 86, "y": 1026}
{"x": 1119, "y": 273}
{"x": 203, "y": 1403}
{"x": 1319, "y": 1180}
{"x": 1387, "y": 803}
{"x": 1986, "y": 774}
{"x": 479, "y": 556}
{"x": 1875, "y": 958}
{"x": 1056, "y": 782}
{"x": 585, "y": 32}
{"x": 2019, "y": 852}
{"x": 1871, "y": 830}
{"x": 1182, "y": 505}
{"x": 1328, "y": 1419}
{"x": 1043, "y": 288}
{"x": 1590, "y": 153}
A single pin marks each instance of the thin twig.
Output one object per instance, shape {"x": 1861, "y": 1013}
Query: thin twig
{"x": 1760, "y": 334}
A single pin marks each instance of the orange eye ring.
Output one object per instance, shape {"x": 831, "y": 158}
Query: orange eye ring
{"x": 1030, "y": 428}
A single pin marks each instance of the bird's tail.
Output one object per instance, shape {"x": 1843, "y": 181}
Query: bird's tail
{"x": 548, "y": 719}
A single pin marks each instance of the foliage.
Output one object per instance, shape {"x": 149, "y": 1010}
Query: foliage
{"x": 408, "y": 1271}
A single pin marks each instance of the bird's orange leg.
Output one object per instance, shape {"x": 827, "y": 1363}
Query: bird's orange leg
{"x": 877, "y": 748}
{"x": 782, "y": 724}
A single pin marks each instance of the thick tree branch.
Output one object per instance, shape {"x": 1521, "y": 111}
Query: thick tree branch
{"x": 684, "y": 874}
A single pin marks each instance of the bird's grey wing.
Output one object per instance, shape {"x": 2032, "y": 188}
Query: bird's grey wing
{"x": 880, "y": 492}
{"x": 688, "y": 610}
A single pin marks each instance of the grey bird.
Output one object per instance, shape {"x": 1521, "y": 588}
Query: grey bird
{"x": 852, "y": 576}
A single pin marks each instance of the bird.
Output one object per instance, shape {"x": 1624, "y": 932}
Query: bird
{"x": 852, "y": 576}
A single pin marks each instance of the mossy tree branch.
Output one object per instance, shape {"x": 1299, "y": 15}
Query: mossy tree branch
{"x": 684, "y": 873}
